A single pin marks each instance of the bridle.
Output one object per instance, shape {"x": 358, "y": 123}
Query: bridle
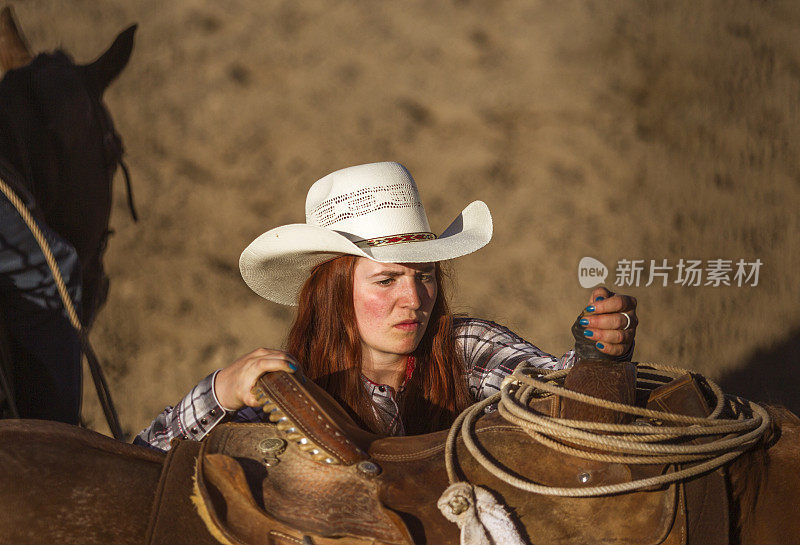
{"x": 113, "y": 150}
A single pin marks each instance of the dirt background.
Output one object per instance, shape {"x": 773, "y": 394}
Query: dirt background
{"x": 624, "y": 130}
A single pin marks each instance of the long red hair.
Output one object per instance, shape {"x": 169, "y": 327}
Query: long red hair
{"x": 325, "y": 341}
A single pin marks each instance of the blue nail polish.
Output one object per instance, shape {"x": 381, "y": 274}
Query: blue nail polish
{"x": 590, "y": 308}
{"x": 293, "y": 367}
{"x": 584, "y": 321}
{"x": 599, "y": 298}
{"x": 600, "y": 345}
{"x": 588, "y": 332}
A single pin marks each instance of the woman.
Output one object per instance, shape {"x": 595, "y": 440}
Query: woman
{"x": 373, "y": 327}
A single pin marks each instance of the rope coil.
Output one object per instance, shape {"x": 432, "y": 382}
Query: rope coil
{"x": 630, "y": 444}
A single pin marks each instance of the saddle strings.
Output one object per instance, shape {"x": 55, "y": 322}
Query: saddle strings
{"x": 645, "y": 442}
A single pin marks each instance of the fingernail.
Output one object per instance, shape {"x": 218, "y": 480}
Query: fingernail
{"x": 600, "y": 345}
{"x": 293, "y": 367}
{"x": 599, "y": 298}
{"x": 588, "y": 332}
{"x": 584, "y": 321}
{"x": 590, "y": 308}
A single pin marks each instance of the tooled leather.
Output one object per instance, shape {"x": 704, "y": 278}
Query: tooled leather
{"x": 300, "y": 496}
{"x": 411, "y": 485}
{"x": 609, "y": 380}
{"x": 313, "y": 421}
{"x": 413, "y": 477}
{"x": 235, "y": 517}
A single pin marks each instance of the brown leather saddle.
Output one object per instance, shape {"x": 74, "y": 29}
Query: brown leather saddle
{"x": 313, "y": 476}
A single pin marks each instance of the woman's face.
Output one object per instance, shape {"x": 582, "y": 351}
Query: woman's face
{"x": 393, "y": 303}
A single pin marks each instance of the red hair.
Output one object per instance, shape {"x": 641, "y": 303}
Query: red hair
{"x": 325, "y": 341}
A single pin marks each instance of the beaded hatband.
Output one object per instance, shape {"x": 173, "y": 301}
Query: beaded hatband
{"x": 396, "y": 239}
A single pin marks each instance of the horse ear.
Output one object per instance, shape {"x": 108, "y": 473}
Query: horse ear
{"x": 14, "y": 52}
{"x": 107, "y": 67}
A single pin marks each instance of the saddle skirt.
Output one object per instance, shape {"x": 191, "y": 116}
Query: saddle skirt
{"x": 314, "y": 477}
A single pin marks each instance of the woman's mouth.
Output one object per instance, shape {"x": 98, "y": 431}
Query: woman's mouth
{"x": 408, "y": 325}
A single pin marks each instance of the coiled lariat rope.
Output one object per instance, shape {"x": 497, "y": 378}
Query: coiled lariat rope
{"x": 94, "y": 365}
{"x": 647, "y": 442}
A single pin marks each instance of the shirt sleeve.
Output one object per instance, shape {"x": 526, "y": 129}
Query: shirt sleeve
{"x": 491, "y": 352}
{"x": 192, "y": 418}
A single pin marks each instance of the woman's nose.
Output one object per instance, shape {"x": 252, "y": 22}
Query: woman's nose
{"x": 411, "y": 295}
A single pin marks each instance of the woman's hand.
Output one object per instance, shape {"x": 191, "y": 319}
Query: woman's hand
{"x": 605, "y": 323}
{"x": 233, "y": 384}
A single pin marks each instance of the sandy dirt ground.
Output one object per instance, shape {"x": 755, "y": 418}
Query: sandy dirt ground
{"x": 617, "y": 130}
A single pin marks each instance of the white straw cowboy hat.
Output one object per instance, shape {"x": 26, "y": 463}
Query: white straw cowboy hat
{"x": 372, "y": 211}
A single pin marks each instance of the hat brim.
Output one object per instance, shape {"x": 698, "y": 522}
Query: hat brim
{"x": 277, "y": 263}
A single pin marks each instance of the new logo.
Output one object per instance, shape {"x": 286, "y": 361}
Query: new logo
{"x": 591, "y": 272}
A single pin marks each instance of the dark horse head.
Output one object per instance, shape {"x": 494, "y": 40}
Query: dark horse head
{"x": 57, "y": 135}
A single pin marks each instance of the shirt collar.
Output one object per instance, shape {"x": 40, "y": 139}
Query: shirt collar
{"x": 411, "y": 365}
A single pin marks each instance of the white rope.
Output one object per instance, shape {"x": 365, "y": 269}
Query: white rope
{"x": 620, "y": 443}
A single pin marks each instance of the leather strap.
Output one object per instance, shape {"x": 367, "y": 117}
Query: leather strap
{"x": 173, "y": 518}
{"x": 706, "y": 496}
{"x": 609, "y": 380}
{"x": 304, "y": 421}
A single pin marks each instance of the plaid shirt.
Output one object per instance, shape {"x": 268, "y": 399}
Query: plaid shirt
{"x": 489, "y": 351}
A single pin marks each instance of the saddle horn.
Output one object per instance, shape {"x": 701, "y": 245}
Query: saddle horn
{"x": 14, "y": 50}
{"x": 598, "y": 375}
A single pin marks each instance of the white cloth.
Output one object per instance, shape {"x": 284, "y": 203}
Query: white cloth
{"x": 482, "y": 519}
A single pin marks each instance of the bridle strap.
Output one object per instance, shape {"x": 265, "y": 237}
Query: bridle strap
{"x": 112, "y": 146}
{"x": 126, "y": 173}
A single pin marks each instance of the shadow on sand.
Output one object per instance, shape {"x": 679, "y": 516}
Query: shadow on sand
{"x": 770, "y": 375}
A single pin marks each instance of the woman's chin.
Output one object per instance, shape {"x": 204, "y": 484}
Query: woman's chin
{"x": 406, "y": 348}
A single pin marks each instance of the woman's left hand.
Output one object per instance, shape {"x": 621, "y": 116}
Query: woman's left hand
{"x": 605, "y": 323}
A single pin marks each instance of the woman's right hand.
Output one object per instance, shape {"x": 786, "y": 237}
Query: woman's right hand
{"x": 233, "y": 384}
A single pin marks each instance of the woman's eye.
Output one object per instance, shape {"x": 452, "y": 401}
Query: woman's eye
{"x": 385, "y": 281}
